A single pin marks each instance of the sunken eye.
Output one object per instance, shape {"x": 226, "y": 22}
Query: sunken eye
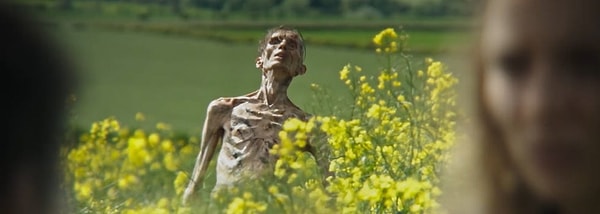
{"x": 515, "y": 64}
{"x": 292, "y": 44}
{"x": 275, "y": 40}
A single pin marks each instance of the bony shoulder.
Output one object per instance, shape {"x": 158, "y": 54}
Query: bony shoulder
{"x": 228, "y": 103}
{"x": 222, "y": 101}
{"x": 220, "y": 104}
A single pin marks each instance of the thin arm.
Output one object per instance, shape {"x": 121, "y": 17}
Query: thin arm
{"x": 211, "y": 134}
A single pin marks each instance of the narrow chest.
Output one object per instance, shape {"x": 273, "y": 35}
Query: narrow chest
{"x": 257, "y": 120}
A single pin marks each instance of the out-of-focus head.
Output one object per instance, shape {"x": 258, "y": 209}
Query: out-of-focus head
{"x": 282, "y": 49}
{"x": 540, "y": 94}
{"x": 40, "y": 78}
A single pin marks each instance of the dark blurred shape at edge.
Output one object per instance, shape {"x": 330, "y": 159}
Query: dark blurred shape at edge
{"x": 37, "y": 79}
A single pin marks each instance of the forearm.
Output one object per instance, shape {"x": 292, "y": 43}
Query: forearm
{"x": 200, "y": 168}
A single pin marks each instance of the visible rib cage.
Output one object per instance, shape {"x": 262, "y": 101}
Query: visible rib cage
{"x": 253, "y": 131}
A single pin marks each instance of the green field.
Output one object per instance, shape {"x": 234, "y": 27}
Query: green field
{"x": 172, "y": 78}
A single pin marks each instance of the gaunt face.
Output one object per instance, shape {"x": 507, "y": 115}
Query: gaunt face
{"x": 541, "y": 82}
{"x": 283, "y": 51}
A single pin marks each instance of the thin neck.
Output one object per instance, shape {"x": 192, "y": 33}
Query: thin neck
{"x": 274, "y": 87}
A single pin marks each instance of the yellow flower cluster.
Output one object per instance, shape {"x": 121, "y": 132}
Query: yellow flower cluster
{"x": 245, "y": 204}
{"x": 387, "y": 156}
{"x": 388, "y": 41}
{"x": 112, "y": 167}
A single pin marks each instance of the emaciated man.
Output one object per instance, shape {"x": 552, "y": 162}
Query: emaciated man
{"x": 248, "y": 125}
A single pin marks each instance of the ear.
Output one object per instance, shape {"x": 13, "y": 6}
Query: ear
{"x": 301, "y": 70}
{"x": 259, "y": 62}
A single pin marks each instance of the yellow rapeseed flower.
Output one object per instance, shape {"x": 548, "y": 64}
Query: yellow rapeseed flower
{"x": 163, "y": 203}
{"x": 170, "y": 162}
{"x": 167, "y": 146}
{"x": 344, "y": 73}
{"x": 180, "y": 182}
{"x": 140, "y": 116}
{"x": 153, "y": 139}
{"x": 84, "y": 191}
{"x": 163, "y": 126}
{"x": 385, "y": 41}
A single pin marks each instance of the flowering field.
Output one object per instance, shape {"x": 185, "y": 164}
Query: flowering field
{"x": 381, "y": 154}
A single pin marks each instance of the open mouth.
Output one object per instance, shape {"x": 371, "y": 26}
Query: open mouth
{"x": 280, "y": 55}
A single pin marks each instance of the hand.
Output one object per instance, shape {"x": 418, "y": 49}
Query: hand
{"x": 188, "y": 194}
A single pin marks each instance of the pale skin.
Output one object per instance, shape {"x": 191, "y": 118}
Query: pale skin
{"x": 542, "y": 84}
{"x": 248, "y": 125}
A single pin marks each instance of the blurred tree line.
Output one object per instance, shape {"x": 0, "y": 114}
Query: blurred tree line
{"x": 256, "y": 9}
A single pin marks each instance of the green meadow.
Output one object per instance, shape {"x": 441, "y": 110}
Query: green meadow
{"x": 171, "y": 77}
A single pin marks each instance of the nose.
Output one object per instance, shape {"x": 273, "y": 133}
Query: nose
{"x": 283, "y": 44}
